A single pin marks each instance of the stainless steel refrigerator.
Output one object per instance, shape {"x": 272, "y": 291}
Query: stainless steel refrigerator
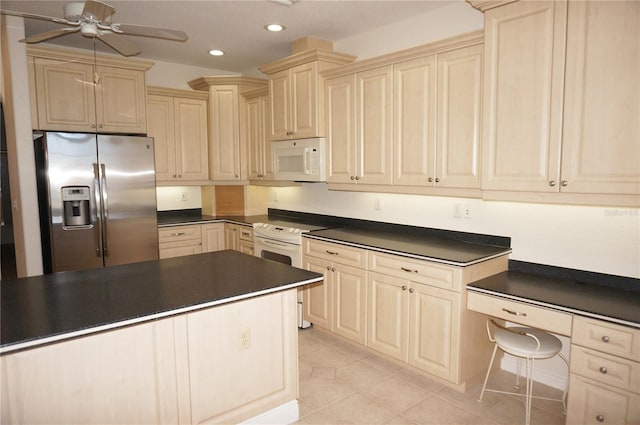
{"x": 97, "y": 200}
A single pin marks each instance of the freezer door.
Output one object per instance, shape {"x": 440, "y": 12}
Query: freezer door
{"x": 127, "y": 177}
{"x": 69, "y": 163}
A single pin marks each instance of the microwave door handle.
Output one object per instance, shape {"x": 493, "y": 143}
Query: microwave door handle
{"x": 307, "y": 160}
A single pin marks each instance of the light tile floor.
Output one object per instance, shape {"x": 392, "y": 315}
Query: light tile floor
{"x": 344, "y": 383}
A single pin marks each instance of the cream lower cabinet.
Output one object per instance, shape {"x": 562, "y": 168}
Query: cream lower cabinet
{"x": 212, "y": 235}
{"x": 339, "y": 303}
{"x": 604, "y": 382}
{"x": 414, "y": 309}
{"x": 74, "y": 94}
{"x": 178, "y": 123}
{"x": 561, "y": 101}
{"x": 238, "y": 238}
{"x": 177, "y": 241}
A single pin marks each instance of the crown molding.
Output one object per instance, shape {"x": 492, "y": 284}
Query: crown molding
{"x": 243, "y": 83}
{"x": 87, "y": 56}
{"x": 165, "y": 91}
{"x": 483, "y": 5}
{"x": 313, "y": 55}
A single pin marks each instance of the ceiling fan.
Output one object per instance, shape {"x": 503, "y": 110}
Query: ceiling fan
{"x": 93, "y": 19}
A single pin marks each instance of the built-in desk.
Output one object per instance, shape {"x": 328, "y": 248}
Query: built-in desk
{"x": 603, "y": 324}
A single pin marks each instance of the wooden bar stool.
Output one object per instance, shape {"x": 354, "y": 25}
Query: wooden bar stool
{"x": 528, "y": 344}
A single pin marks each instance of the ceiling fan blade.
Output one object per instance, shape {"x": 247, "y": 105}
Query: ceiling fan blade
{"x": 49, "y": 35}
{"x": 124, "y": 47}
{"x": 34, "y": 16}
{"x": 97, "y": 10}
{"x": 166, "y": 33}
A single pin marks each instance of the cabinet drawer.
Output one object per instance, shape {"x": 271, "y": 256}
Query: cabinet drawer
{"x": 341, "y": 254}
{"x": 525, "y": 314}
{"x": 606, "y": 337}
{"x": 246, "y": 234}
{"x": 179, "y": 233}
{"x": 416, "y": 270}
{"x": 179, "y": 248}
{"x": 605, "y": 368}
{"x": 593, "y": 403}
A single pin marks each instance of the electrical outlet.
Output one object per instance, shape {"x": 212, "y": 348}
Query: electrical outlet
{"x": 376, "y": 204}
{"x": 462, "y": 211}
{"x": 244, "y": 338}
{"x": 183, "y": 196}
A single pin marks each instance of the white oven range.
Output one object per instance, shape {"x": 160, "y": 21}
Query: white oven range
{"x": 281, "y": 241}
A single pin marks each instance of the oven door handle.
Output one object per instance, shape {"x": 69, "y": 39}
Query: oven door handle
{"x": 278, "y": 244}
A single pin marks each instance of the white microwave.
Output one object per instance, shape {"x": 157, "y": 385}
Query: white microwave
{"x": 300, "y": 160}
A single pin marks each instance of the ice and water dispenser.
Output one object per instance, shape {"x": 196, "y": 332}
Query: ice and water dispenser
{"x": 75, "y": 201}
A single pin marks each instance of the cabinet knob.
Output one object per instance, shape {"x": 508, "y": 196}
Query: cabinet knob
{"x": 411, "y": 290}
{"x": 179, "y": 176}
{"x": 552, "y": 183}
{"x": 329, "y": 268}
{"x": 564, "y": 183}
{"x": 600, "y": 418}
{"x": 93, "y": 126}
{"x": 605, "y": 339}
{"x": 357, "y": 178}
{"x": 353, "y": 177}
{"x": 437, "y": 180}
{"x": 404, "y": 287}
{"x": 430, "y": 180}
{"x": 603, "y": 370}
{"x": 175, "y": 176}
{"x": 333, "y": 269}
{"x": 289, "y": 133}
{"x": 100, "y": 125}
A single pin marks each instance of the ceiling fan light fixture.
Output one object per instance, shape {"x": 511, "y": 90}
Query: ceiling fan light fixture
{"x": 216, "y": 52}
{"x": 275, "y": 27}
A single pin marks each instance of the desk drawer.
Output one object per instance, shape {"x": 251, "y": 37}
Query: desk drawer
{"x": 517, "y": 312}
{"x": 606, "y": 337}
{"x": 610, "y": 370}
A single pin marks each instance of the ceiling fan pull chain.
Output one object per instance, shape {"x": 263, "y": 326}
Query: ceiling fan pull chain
{"x": 96, "y": 76}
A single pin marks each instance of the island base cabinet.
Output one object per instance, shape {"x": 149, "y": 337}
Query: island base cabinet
{"x": 224, "y": 364}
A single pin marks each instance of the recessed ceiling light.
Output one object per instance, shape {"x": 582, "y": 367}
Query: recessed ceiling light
{"x": 275, "y": 27}
{"x": 216, "y": 52}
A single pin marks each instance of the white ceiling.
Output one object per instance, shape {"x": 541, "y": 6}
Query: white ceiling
{"x": 234, "y": 26}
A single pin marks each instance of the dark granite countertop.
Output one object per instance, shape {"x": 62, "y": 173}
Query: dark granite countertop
{"x": 43, "y": 309}
{"x": 608, "y": 303}
{"x": 415, "y": 245}
{"x": 195, "y": 216}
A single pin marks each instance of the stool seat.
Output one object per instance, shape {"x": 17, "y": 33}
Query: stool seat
{"x": 525, "y": 346}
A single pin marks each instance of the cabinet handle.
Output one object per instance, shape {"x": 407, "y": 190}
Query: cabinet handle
{"x": 404, "y": 269}
{"x": 175, "y": 176}
{"x": 600, "y": 418}
{"x": 178, "y": 234}
{"x": 605, "y": 339}
{"x": 603, "y": 370}
{"x": 552, "y": 183}
{"x": 331, "y": 252}
{"x": 179, "y": 176}
{"x": 515, "y": 313}
{"x": 404, "y": 287}
{"x": 564, "y": 183}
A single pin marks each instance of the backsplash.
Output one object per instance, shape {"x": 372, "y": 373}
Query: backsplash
{"x": 178, "y": 197}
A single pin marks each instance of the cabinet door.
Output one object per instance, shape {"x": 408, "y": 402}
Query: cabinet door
{"x": 593, "y": 403}
{"x": 212, "y": 237}
{"x": 387, "y": 315}
{"x": 231, "y": 237}
{"x": 160, "y": 119}
{"x": 121, "y": 101}
{"x": 434, "y": 327}
{"x": 523, "y": 75}
{"x": 265, "y": 130}
{"x": 415, "y": 113}
{"x": 374, "y": 94}
{"x": 252, "y": 126}
{"x": 65, "y": 95}
{"x": 341, "y": 129}
{"x": 601, "y": 148}
{"x": 458, "y": 118}
{"x": 224, "y": 157}
{"x": 350, "y": 302}
{"x": 279, "y": 92}
{"x": 317, "y": 304}
{"x": 304, "y": 100}
{"x": 191, "y": 138}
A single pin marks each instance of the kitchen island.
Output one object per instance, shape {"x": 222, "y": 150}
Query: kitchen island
{"x": 209, "y": 337}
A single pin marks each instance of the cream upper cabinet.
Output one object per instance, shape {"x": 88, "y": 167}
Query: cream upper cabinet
{"x": 562, "y": 100}
{"x": 228, "y": 150}
{"x": 601, "y": 135}
{"x": 79, "y": 96}
{"x": 177, "y": 120}
{"x": 523, "y": 74}
{"x": 257, "y": 113}
{"x": 294, "y": 102}
{"x": 359, "y": 116}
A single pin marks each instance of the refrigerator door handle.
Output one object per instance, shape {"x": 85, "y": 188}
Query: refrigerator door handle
{"x": 105, "y": 208}
{"x": 96, "y": 217}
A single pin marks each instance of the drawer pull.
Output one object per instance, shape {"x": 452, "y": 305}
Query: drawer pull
{"x": 600, "y": 418}
{"x": 178, "y": 234}
{"x": 331, "y": 252}
{"x": 404, "y": 269}
{"x": 605, "y": 339}
{"x": 603, "y": 370}
{"x": 515, "y": 313}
